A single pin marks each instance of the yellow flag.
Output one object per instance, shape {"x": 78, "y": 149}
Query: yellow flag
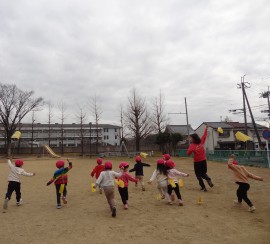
{"x": 143, "y": 155}
{"x": 16, "y": 135}
{"x": 120, "y": 183}
{"x": 92, "y": 187}
{"x": 62, "y": 187}
{"x": 181, "y": 183}
{"x": 220, "y": 130}
{"x": 172, "y": 183}
{"x": 242, "y": 137}
{"x": 200, "y": 200}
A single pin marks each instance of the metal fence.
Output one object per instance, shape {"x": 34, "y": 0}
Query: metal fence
{"x": 244, "y": 157}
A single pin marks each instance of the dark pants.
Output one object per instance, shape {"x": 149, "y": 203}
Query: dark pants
{"x": 200, "y": 169}
{"x": 124, "y": 194}
{"x": 58, "y": 195}
{"x": 242, "y": 193}
{"x": 176, "y": 190}
{"x": 14, "y": 186}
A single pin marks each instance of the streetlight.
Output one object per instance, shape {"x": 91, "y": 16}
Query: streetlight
{"x": 186, "y": 113}
{"x": 90, "y": 126}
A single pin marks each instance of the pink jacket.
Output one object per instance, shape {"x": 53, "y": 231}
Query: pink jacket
{"x": 126, "y": 177}
{"x": 198, "y": 149}
{"x": 174, "y": 174}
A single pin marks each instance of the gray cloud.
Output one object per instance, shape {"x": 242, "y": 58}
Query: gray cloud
{"x": 71, "y": 51}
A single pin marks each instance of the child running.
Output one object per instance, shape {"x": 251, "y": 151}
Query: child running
{"x": 97, "y": 170}
{"x": 125, "y": 178}
{"x": 14, "y": 183}
{"x": 106, "y": 182}
{"x": 60, "y": 178}
{"x": 166, "y": 157}
{"x": 161, "y": 175}
{"x": 138, "y": 168}
{"x": 173, "y": 175}
{"x": 241, "y": 176}
{"x": 200, "y": 165}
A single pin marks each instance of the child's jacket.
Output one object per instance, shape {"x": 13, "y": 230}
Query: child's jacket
{"x": 15, "y": 172}
{"x": 241, "y": 174}
{"x": 60, "y": 176}
{"x": 97, "y": 170}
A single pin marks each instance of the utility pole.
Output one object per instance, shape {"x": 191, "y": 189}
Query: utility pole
{"x": 242, "y": 86}
{"x": 266, "y": 95}
{"x": 253, "y": 121}
{"x": 186, "y": 113}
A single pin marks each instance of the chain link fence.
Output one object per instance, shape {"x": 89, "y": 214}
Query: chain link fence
{"x": 244, "y": 157}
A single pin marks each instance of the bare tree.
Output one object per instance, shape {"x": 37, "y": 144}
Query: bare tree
{"x": 50, "y": 116}
{"x": 15, "y": 104}
{"x": 62, "y": 108}
{"x": 96, "y": 111}
{"x": 33, "y": 119}
{"x": 159, "y": 117}
{"x": 137, "y": 118}
{"x": 81, "y": 116}
{"x": 122, "y": 130}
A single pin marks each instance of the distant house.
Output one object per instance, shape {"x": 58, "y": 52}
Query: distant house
{"x": 182, "y": 129}
{"x": 227, "y": 139}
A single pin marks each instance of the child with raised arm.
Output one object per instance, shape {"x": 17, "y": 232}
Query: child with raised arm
{"x": 173, "y": 175}
{"x": 60, "y": 179}
{"x": 138, "y": 168}
{"x": 14, "y": 183}
{"x": 97, "y": 170}
{"x": 125, "y": 177}
{"x": 241, "y": 176}
{"x": 106, "y": 182}
{"x": 161, "y": 175}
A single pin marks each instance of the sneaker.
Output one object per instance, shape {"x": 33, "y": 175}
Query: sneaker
{"x": 126, "y": 206}
{"x": 170, "y": 203}
{"x": 181, "y": 202}
{"x": 19, "y": 203}
{"x": 64, "y": 200}
{"x": 163, "y": 197}
{"x": 252, "y": 209}
{"x": 210, "y": 183}
{"x": 203, "y": 189}
{"x": 100, "y": 191}
{"x": 5, "y": 205}
{"x": 236, "y": 202}
{"x": 59, "y": 206}
{"x": 113, "y": 212}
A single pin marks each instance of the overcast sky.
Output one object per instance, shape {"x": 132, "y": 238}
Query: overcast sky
{"x": 198, "y": 49}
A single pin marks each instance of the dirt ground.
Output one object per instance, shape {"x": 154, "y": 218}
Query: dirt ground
{"x": 86, "y": 218}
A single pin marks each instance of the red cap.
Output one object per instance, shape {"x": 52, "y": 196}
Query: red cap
{"x": 99, "y": 161}
{"x": 19, "y": 163}
{"x": 160, "y": 161}
{"x": 138, "y": 159}
{"x": 170, "y": 164}
{"x": 59, "y": 164}
{"x": 167, "y": 156}
{"x": 123, "y": 165}
{"x": 108, "y": 165}
{"x": 235, "y": 162}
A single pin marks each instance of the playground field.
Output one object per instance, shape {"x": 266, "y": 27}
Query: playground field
{"x": 86, "y": 217}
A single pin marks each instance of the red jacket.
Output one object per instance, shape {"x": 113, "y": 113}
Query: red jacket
{"x": 198, "y": 149}
{"x": 126, "y": 177}
{"x": 97, "y": 170}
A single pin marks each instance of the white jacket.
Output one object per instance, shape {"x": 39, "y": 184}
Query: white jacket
{"x": 15, "y": 172}
{"x": 106, "y": 178}
{"x": 160, "y": 177}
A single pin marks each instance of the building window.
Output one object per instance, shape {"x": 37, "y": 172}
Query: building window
{"x": 115, "y": 137}
{"x": 226, "y": 133}
{"x": 115, "y": 130}
{"x": 106, "y": 130}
